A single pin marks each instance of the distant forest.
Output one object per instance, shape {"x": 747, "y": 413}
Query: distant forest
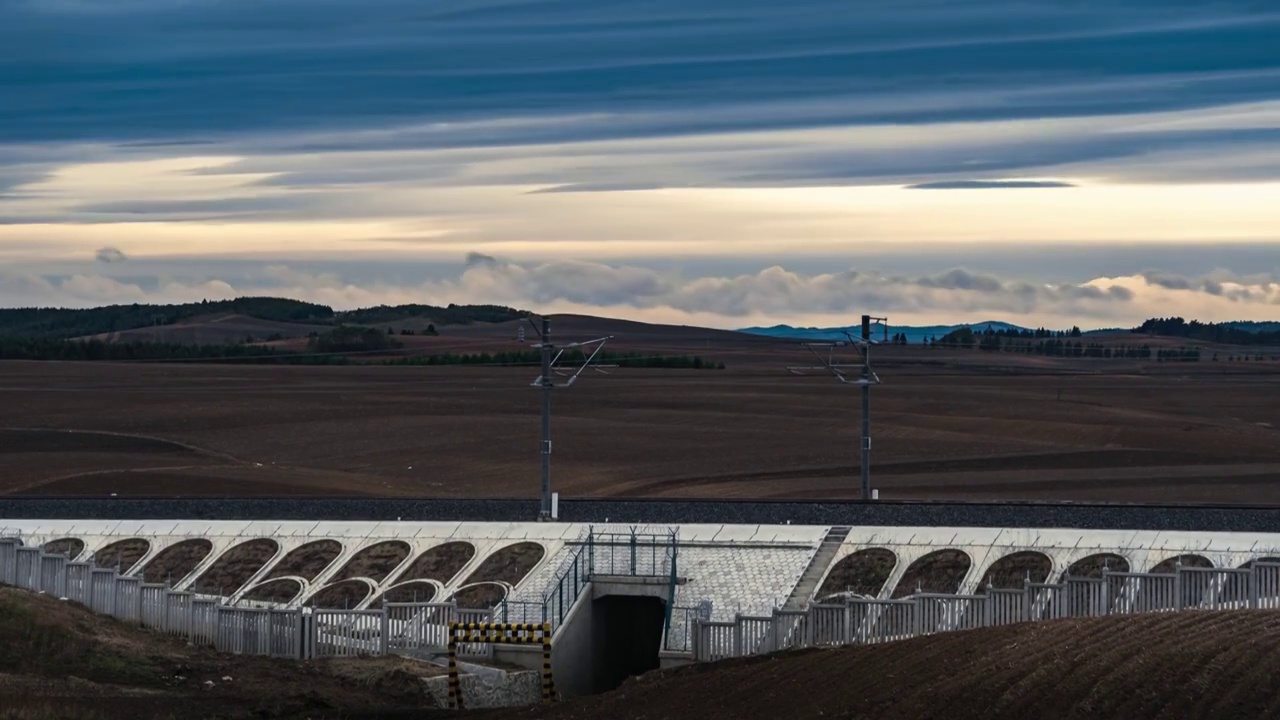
{"x": 328, "y": 349}
{"x": 62, "y": 323}
{"x": 533, "y": 357}
{"x": 1237, "y": 333}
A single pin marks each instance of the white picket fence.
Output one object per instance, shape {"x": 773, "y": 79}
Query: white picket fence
{"x": 864, "y": 621}
{"x": 303, "y": 633}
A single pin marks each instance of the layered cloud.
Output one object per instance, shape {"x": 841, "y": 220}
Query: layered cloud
{"x": 773, "y": 294}
{"x": 671, "y": 159}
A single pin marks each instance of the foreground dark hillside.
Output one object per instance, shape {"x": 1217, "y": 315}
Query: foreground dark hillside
{"x": 58, "y": 660}
{"x": 1187, "y": 665}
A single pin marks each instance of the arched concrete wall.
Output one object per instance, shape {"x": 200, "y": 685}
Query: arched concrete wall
{"x": 741, "y": 568}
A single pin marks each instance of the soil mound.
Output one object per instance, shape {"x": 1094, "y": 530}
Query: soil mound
{"x": 1183, "y": 665}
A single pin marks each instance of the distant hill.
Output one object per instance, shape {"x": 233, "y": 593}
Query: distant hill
{"x": 1230, "y": 333}
{"x": 915, "y": 334}
{"x": 213, "y": 330}
{"x": 1254, "y": 326}
{"x": 63, "y": 323}
{"x": 229, "y": 320}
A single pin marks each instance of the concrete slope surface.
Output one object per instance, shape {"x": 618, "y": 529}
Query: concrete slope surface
{"x": 1185, "y": 665}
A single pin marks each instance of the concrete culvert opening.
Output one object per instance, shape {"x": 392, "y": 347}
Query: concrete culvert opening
{"x": 122, "y": 554}
{"x": 1092, "y": 566}
{"x": 307, "y": 561}
{"x": 940, "y": 571}
{"x": 862, "y": 573}
{"x": 343, "y": 595}
{"x": 71, "y": 547}
{"x": 234, "y": 567}
{"x": 177, "y": 561}
{"x": 1012, "y": 571}
{"x": 627, "y": 638}
{"x": 1170, "y": 565}
{"x": 275, "y": 591}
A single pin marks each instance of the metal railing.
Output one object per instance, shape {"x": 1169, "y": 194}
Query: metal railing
{"x": 398, "y": 628}
{"x": 860, "y": 621}
{"x": 631, "y": 554}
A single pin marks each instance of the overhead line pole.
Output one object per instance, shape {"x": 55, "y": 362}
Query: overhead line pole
{"x": 544, "y": 512}
{"x": 549, "y": 356}
{"x": 867, "y": 378}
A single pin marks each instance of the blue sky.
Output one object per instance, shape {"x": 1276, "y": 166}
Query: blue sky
{"x": 724, "y": 163}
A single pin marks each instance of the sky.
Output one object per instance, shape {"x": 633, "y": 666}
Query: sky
{"x": 713, "y": 162}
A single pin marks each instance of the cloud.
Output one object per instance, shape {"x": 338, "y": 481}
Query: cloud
{"x": 110, "y": 255}
{"x": 771, "y": 294}
{"x": 989, "y": 184}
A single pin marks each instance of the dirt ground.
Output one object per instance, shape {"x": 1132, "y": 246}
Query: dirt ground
{"x": 1164, "y": 665}
{"x": 57, "y": 660}
{"x": 946, "y": 424}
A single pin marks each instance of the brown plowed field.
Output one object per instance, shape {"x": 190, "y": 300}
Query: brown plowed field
{"x": 947, "y": 424}
{"x": 1185, "y": 665}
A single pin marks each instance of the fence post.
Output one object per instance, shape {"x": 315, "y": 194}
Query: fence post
{"x": 1178, "y": 600}
{"x": 1106, "y": 592}
{"x": 1028, "y": 601}
{"x": 737, "y": 634}
{"x": 386, "y": 630}
{"x": 847, "y": 638}
{"x": 1253, "y": 586}
{"x": 633, "y": 553}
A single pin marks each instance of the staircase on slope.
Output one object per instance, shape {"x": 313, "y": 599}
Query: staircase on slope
{"x": 808, "y": 583}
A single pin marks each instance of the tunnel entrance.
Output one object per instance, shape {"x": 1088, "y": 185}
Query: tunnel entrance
{"x": 628, "y": 635}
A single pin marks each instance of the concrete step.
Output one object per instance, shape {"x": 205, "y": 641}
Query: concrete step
{"x": 817, "y": 567}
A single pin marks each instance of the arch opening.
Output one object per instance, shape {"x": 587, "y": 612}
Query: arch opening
{"x": 122, "y": 554}
{"x": 1092, "y": 566}
{"x": 374, "y": 562}
{"x": 1170, "y": 565}
{"x": 307, "y": 561}
{"x": 941, "y": 571}
{"x": 440, "y": 563}
{"x": 71, "y": 547}
{"x": 343, "y": 595}
{"x": 480, "y": 596}
{"x": 282, "y": 591}
{"x": 861, "y": 573}
{"x": 509, "y": 565}
{"x": 1012, "y": 571}
{"x": 177, "y": 561}
{"x": 236, "y": 566}
{"x": 414, "y": 591}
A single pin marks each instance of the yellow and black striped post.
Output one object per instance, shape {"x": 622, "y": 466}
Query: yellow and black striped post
{"x": 548, "y": 684}
{"x": 455, "y": 682}
{"x": 499, "y": 634}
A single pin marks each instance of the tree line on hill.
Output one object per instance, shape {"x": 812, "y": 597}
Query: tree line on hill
{"x": 534, "y": 358}
{"x": 1013, "y": 341}
{"x": 133, "y": 351}
{"x": 1225, "y": 333}
{"x": 332, "y": 348}
{"x": 64, "y": 323}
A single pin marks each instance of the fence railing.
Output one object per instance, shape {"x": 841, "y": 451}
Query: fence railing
{"x": 303, "y": 633}
{"x": 861, "y": 621}
{"x": 632, "y": 554}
